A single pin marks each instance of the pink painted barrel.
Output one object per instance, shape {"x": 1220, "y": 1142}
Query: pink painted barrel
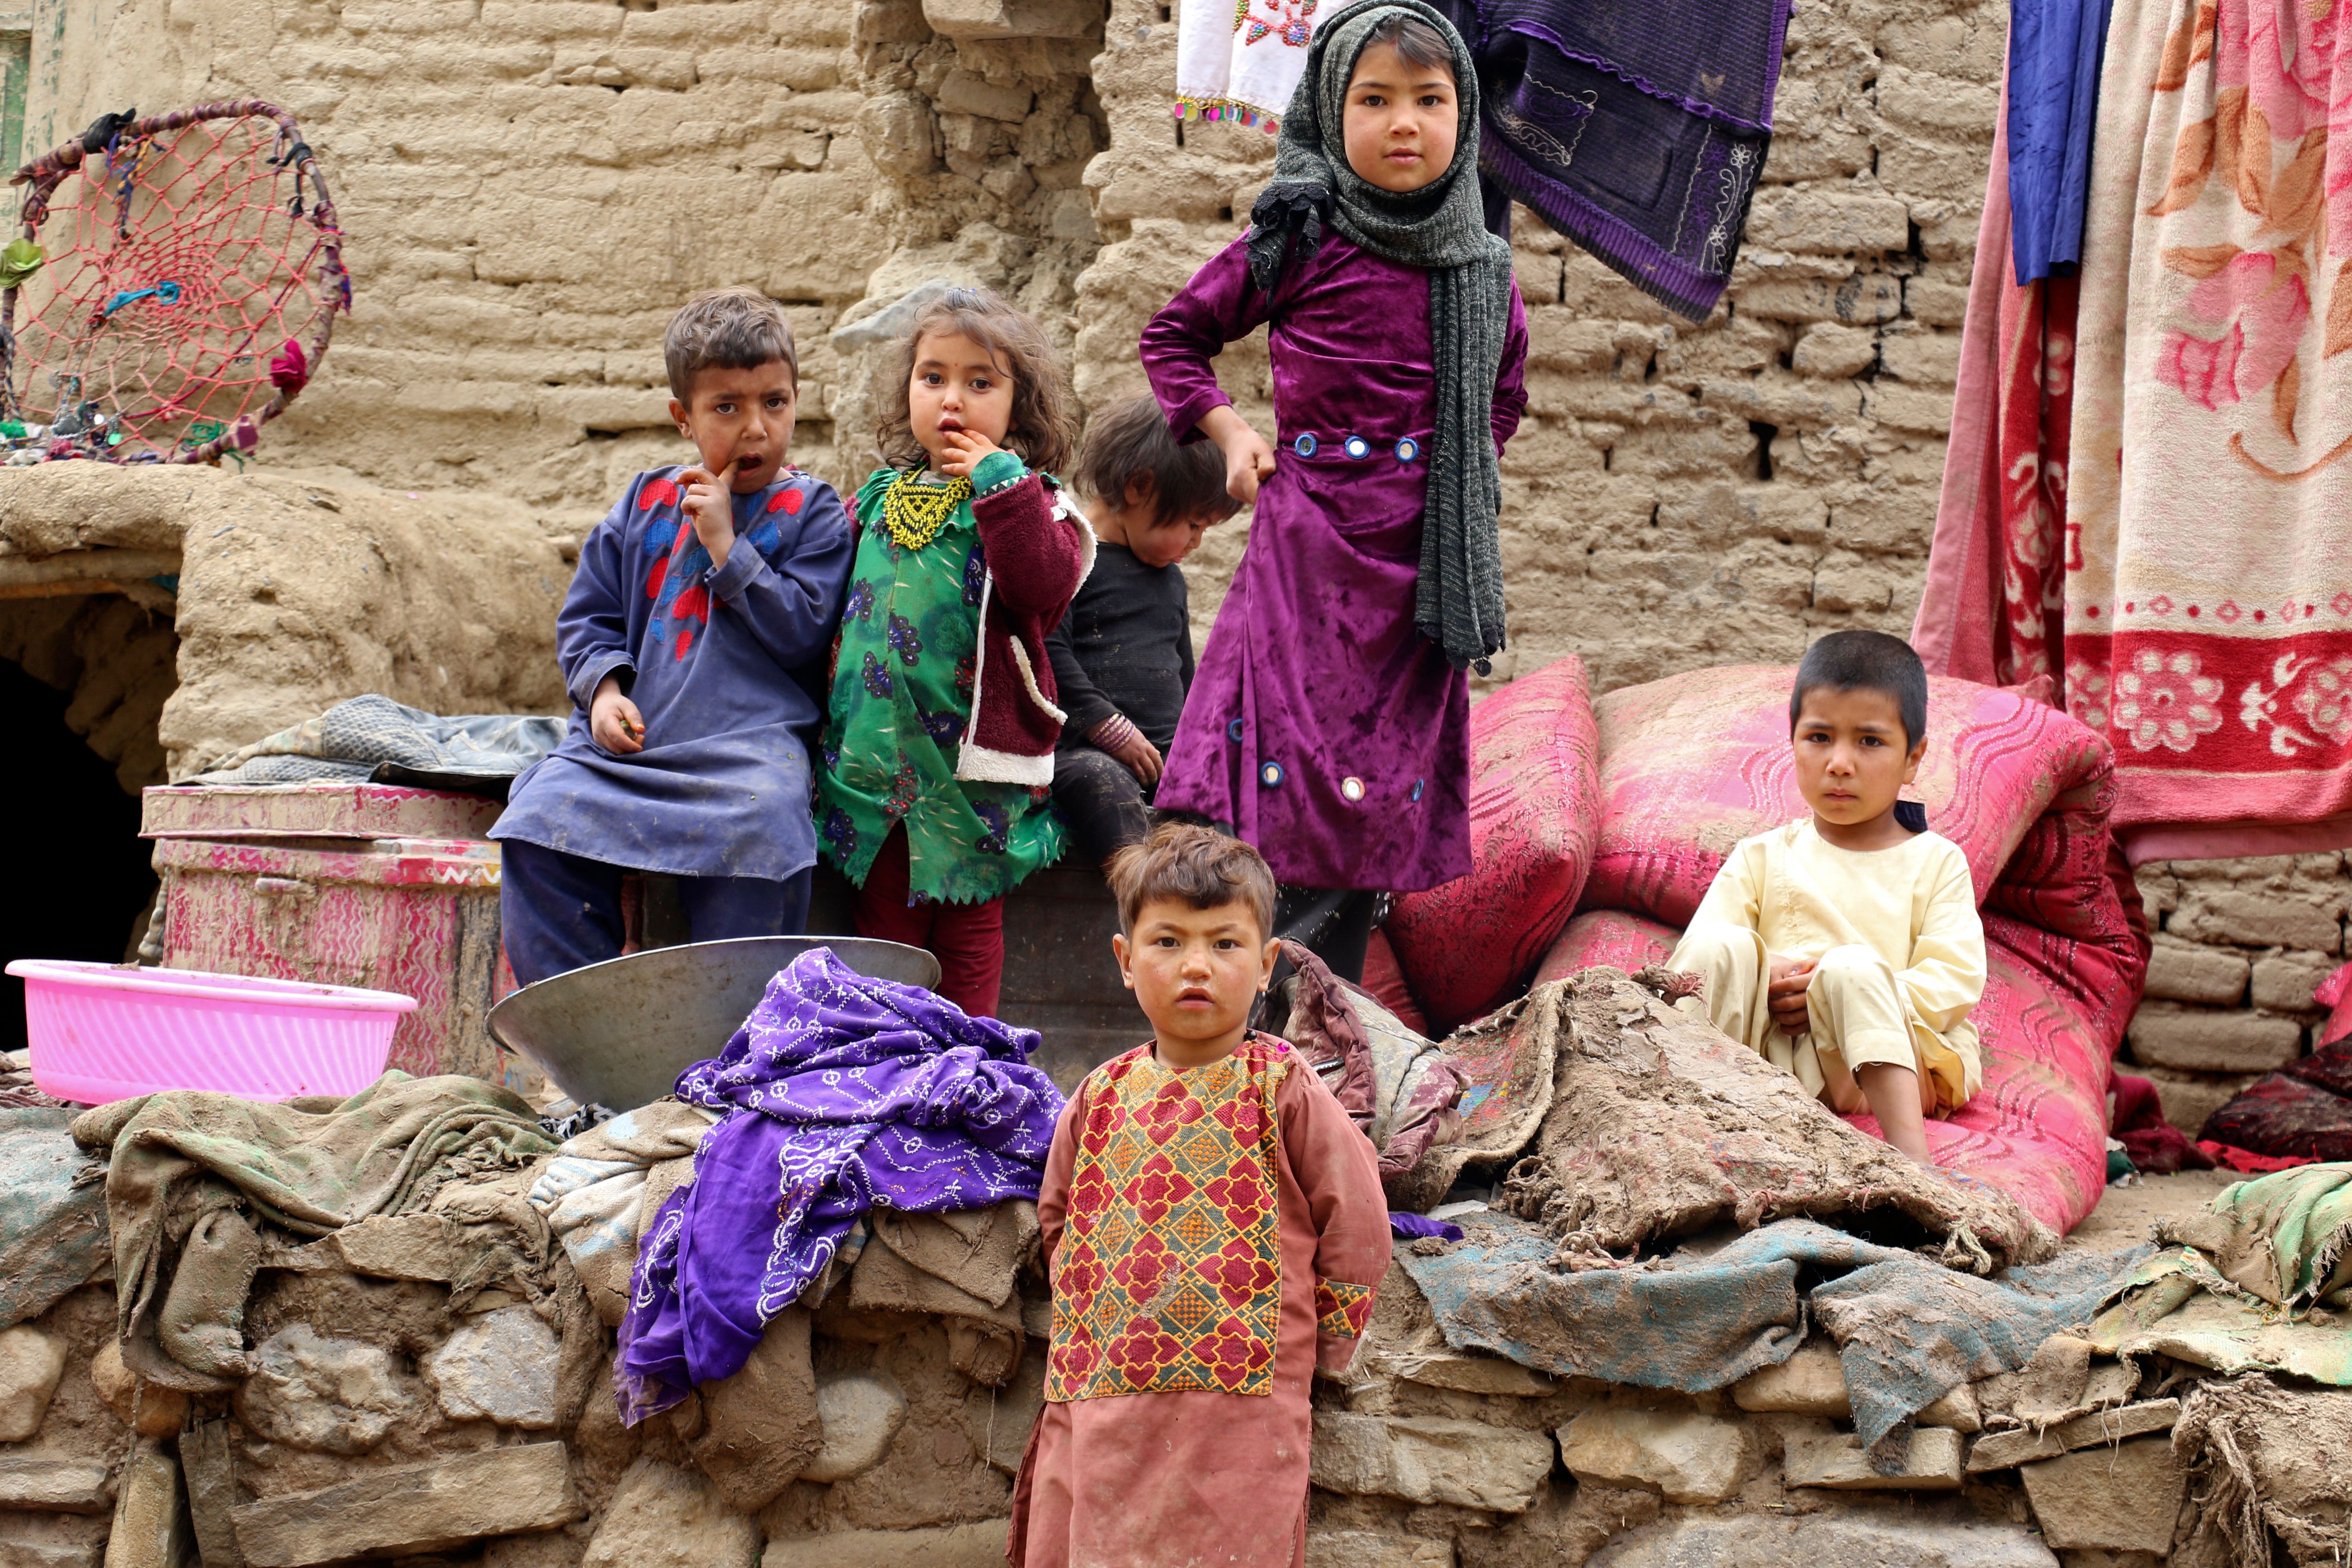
{"x": 108, "y": 1031}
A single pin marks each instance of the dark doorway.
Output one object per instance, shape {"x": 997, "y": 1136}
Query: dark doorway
{"x": 81, "y": 873}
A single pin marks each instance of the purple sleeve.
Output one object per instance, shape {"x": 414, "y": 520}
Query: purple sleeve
{"x": 592, "y": 631}
{"x": 1511, "y": 380}
{"x": 1217, "y": 306}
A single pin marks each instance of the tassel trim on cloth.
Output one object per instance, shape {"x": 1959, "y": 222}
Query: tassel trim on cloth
{"x": 1228, "y": 111}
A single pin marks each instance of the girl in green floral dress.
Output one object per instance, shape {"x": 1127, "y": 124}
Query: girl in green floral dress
{"x": 935, "y": 793}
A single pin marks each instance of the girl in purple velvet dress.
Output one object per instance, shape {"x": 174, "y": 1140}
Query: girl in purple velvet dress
{"x": 1328, "y": 723}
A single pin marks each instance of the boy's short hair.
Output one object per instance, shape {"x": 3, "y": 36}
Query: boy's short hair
{"x": 734, "y": 329}
{"x": 1866, "y": 661}
{"x": 1129, "y": 440}
{"x": 1199, "y": 865}
{"x": 1417, "y": 43}
{"x": 1045, "y": 415}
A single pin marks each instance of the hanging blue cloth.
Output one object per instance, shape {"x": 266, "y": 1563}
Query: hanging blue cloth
{"x": 2054, "y": 50}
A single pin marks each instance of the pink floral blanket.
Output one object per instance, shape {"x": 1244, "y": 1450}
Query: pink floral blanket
{"x": 2197, "y": 582}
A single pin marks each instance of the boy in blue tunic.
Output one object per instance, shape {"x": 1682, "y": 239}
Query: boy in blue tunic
{"x": 695, "y": 629}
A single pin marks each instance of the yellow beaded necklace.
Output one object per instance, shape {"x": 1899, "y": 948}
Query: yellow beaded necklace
{"x": 914, "y": 512}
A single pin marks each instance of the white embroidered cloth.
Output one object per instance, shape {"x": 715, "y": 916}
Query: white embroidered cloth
{"x": 1241, "y": 59}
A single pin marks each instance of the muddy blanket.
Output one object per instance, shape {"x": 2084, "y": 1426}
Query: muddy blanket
{"x": 2269, "y": 1471}
{"x": 52, "y": 1226}
{"x": 2260, "y": 1283}
{"x": 188, "y": 1169}
{"x": 2286, "y": 1237}
{"x": 1908, "y": 1330}
{"x": 373, "y": 738}
{"x": 1660, "y": 1127}
{"x": 1398, "y": 1087}
{"x": 605, "y": 1183}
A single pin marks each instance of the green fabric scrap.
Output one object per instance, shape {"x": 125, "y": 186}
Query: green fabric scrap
{"x": 2288, "y": 1237}
{"x": 2178, "y": 1304}
{"x": 19, "y": 259}
{"x": 312, "y": 1166}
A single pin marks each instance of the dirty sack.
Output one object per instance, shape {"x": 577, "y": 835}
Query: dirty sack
{"x": 374, "y": 739}
{"x": 2261, "y": 1282}
{"x": 1661, "y": 1126}
{"x": 52, "y": 1214}
{"x": 191, "y": 1176}
{"x": 2268, "y": 1471}
{"x": 2303, "y": 1111}
{"x": 1909, "y": 1331}
{"x": 606, "y": 1182}
{"x": 962, "y": 1265}
{"x": 841, "y": 1094}
{"x": 1397, "y": 1087}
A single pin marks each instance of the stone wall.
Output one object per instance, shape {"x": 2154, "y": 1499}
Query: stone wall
{"x": 529, "y": 189}
{"x": 388, "y": 1414}
{"x": 531, "y": 186}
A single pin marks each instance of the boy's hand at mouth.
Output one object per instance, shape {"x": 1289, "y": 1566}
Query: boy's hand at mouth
{"x": 710, "y": 502}
{"x": 962, "y": 450}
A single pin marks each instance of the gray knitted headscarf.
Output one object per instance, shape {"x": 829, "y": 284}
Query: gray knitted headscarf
{"x": 1440, "y": 228}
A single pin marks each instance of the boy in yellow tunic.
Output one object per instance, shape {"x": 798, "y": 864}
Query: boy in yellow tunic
{"x": 1846, "y": 948}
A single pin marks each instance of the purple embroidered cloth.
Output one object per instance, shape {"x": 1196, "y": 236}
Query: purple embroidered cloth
{"x": 843, "y": 1093}
{"x": 1637, "y": 128}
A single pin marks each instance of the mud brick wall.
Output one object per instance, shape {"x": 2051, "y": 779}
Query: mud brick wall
{"x": 1680, "y": 495}
{"x": 2239, "y": 946}
{"x": 530, "y": 187}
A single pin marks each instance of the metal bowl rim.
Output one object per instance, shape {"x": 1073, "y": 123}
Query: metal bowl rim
{"x": 491, "y": 1018}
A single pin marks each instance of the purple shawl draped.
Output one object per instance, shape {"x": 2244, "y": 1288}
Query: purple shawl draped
{"x": 843, "y": 1093}
{"x": 1637, "y": 128}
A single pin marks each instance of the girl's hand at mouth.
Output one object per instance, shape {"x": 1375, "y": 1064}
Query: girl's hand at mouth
{"x": 962, "y": 450}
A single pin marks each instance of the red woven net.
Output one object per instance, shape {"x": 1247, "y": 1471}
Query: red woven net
{"x": 191, "y": 272}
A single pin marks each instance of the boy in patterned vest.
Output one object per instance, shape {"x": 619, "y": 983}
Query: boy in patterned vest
{"x": 1214, "y": 1228}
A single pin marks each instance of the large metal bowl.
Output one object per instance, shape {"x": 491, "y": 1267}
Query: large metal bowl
{"x": 617, "y": 1033}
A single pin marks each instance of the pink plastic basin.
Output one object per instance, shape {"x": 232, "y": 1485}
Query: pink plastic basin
{"x": 107, "y": 1031}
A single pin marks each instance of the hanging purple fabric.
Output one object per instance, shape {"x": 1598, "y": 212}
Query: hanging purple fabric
{"x": 1637, "y": 128}
{"x": 843, "y": 1093}
{"x": 2055, "y": 49}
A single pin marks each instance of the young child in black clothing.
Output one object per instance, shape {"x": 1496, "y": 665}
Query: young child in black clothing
{"x": 1123, "y": 655}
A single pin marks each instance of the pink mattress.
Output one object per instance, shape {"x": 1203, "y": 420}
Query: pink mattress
{"x": 1691, "y": 766}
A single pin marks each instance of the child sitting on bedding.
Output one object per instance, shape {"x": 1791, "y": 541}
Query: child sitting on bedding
{"x": 1123, "y": 655}
{"x": 1846, "y": 948}
{"x": 700, "y": 605}
{"x": 1213, "y": 1229}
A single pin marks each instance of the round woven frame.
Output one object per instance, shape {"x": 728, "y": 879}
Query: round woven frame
{"x": 264, "y": 277}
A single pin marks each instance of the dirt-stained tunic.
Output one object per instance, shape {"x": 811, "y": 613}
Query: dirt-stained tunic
{"x": 1210, "y": 1234}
